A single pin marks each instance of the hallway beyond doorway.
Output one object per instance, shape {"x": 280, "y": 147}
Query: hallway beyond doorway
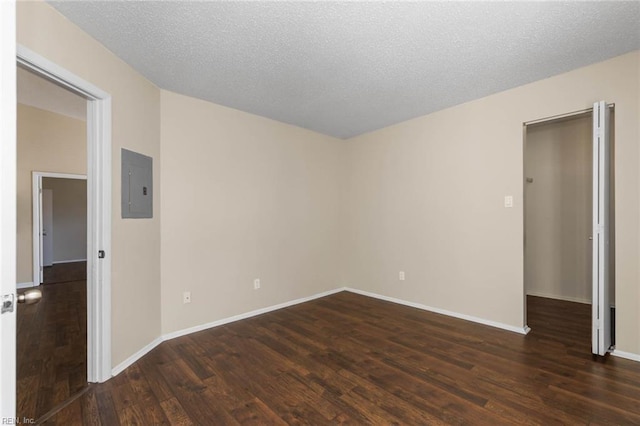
{"x": 65, "y": 272}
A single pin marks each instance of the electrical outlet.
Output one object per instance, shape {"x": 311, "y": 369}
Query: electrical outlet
{"x": 256, "y": 284}
{"x": 401, "y": 276}
{"x": 186, "y": 297}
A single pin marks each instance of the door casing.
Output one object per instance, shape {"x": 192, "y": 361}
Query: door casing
{"x": 591, "y": 110}
{"x": 36, "y": 186}
{"x": 98, "y": 207}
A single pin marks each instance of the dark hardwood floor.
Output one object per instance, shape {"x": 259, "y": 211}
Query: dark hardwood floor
{"x": 351, "y": 359}
{"x": 64, "y": 272}
{"x": 51, "y": 348}
{"x": 567, "y": 323}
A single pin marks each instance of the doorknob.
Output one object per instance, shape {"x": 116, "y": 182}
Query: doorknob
{"x": 30, "y": 297}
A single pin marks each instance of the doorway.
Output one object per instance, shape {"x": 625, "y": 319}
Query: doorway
{"x": 63, "y": 239}
{"x": 98, "y": 164}
{"x": 59, "y": 230}
{"x": 52, "y": 334}
{"x": 563, "y": 174}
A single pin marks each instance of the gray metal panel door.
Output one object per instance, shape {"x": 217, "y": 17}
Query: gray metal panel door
{"x": 137, "y": 185}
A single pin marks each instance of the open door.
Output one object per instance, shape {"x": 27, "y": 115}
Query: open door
{"x": 8, "y": 210}
{"x": 601, "y": 311}
{"x": 42, "y": 222}
{"x": 46, "y": 234}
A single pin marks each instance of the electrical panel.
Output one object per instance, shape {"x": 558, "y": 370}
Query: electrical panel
{"x": 137, "y": 185}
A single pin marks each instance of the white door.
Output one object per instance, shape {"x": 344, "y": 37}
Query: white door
{"x": 601, "y": 310}
{"x": 7, "y": 208}
{"x": 46, "y": 235}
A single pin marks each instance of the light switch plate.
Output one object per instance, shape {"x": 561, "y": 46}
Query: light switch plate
{"x": 508, "y": 201}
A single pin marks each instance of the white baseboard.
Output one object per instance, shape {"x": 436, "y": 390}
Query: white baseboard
{"x": 142, "y": 352}
{"x": 136, "y": 356}
{"x": 626, "y": 355}
{"x": 246, "y": 315}
{"x": 25, "y": 285}
{"x": 69, "y": 261}
{"x": 565, "y": 298}
{"x": 519, "y": 330}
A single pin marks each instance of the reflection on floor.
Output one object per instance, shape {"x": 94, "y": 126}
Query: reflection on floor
{"x": 65, "y": 272}
{"x": 51, "y": 355}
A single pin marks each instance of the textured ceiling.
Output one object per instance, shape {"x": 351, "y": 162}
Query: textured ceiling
{"x": 346, "y": 68}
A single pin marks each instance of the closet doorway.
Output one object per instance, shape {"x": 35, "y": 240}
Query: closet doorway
{"x": 569, "y": 228}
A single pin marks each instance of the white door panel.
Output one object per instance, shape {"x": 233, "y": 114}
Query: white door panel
{"x": 8, "y": 207}
{"x": 46, "y": 236}
{"x": 601, "y": 309}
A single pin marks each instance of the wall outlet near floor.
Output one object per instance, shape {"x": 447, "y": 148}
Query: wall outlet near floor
{"x": 256, "y": 284}
{"x": 186, "y": 297}
{"x": 401, "y": 276}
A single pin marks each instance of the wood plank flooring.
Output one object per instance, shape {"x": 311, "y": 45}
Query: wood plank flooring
{"x": 562, "y": 322}
{"x": 351, "y": 359}
{"x": 65, "y": 272}
{"x": 51, "y": 348}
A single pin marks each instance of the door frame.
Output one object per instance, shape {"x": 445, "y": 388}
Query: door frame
{"x": 98, "y": 206}
{"x": 611, "y": 107}
{"x": 525, "y": 125}
{"x": 36, "y": 179}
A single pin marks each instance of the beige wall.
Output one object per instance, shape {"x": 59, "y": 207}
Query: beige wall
{"x": 426, "y": 197}
{"x": 47, "y": 142}
{"x": 69, "y": 218}
{"x": 135, "y": 279}
{"x": 243, "y": 197}
{"x": 248, "y": 198}
{"x": 558, "y": 209}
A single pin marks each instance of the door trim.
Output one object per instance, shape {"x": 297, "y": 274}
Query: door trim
{"x": 525, "y": 126}
{"x": 610, "y": 107}
{"x": 98, "y": 207}
{"x": 36, "y": 210}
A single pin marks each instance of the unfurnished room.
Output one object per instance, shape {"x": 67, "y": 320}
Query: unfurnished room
{"x": 319, "y": 212}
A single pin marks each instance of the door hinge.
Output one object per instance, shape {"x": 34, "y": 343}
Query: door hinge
{"x": 8, "y": 301}
{"x": 101, "y": 254}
